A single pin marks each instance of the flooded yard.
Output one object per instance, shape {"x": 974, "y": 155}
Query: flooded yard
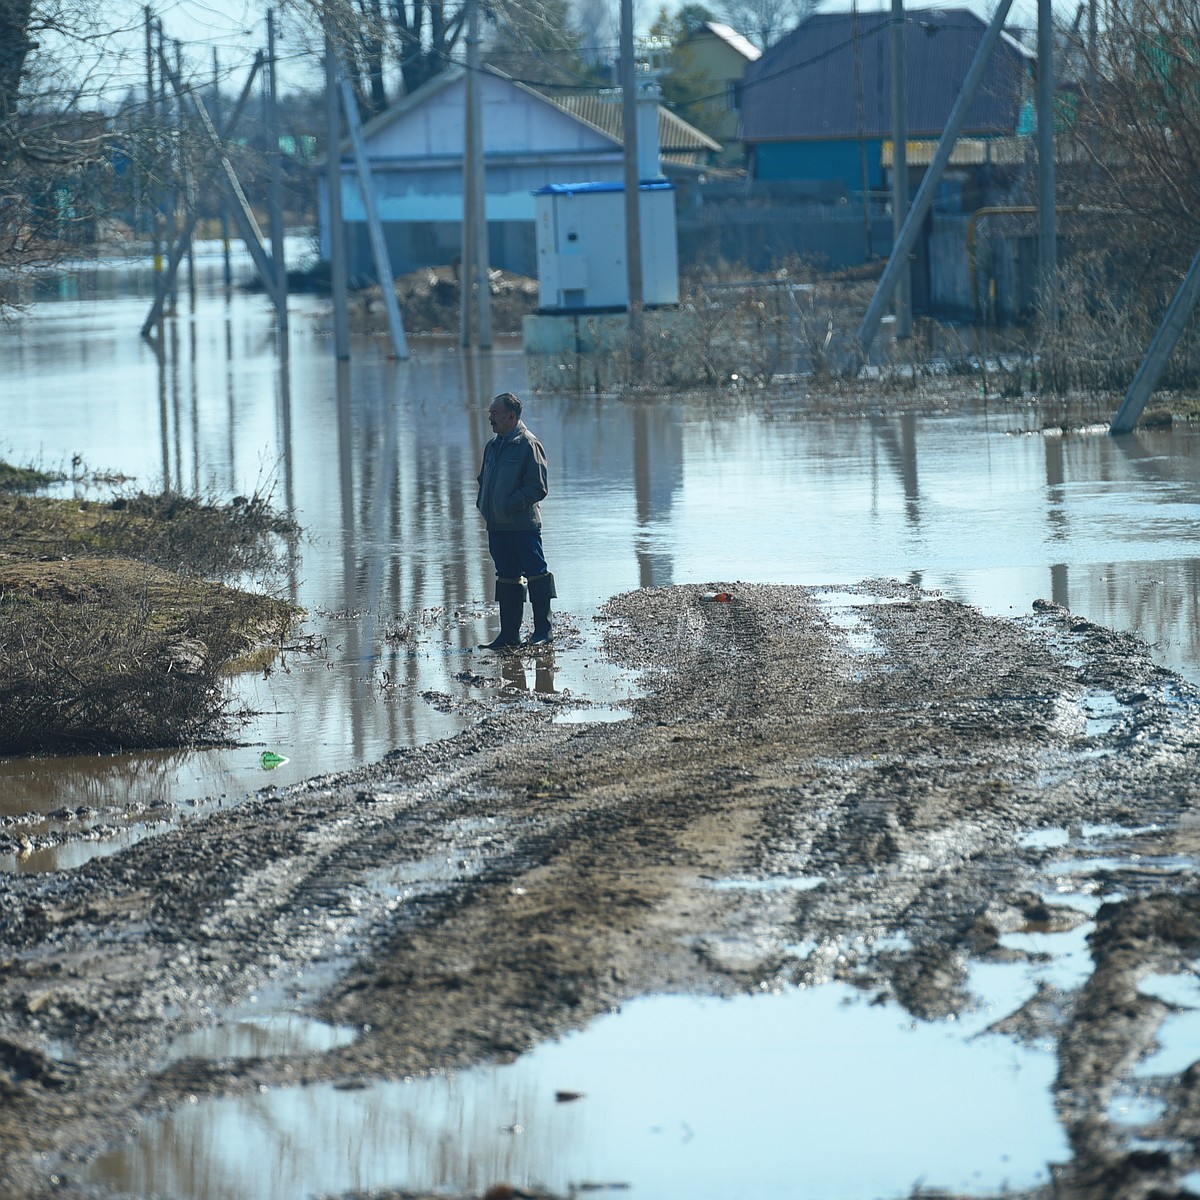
{"x": 822, "y": 892}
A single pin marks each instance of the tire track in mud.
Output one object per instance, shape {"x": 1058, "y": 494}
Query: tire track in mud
{"x": 770, "y": 744}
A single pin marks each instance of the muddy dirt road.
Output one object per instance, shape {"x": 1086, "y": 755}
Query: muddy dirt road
{"x": 902, "y": 758}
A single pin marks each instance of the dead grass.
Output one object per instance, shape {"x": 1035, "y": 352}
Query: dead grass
{"x": 112, "y": 634}
{"x": 23, "y": 479}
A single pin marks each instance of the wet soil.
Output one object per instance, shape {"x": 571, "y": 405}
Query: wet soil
{"x": 901, "y": 761}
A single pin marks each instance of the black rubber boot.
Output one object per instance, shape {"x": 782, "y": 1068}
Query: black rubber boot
{"x": 510, "y": 595}
{"x": 541, "y": 592}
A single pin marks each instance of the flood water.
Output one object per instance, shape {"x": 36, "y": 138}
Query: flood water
{"x": 673, "y": 1098}
{"x": 376, "y": 460}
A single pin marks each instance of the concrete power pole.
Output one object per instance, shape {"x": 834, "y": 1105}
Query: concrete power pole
{"x": 633, "y": 221}
{"x": 1047, "y": 217}
{"x": 903, "y": 298}
{"x": 275, "y": 166}
{"x": 475, "y": 225}
{"x": 333, "y": 178}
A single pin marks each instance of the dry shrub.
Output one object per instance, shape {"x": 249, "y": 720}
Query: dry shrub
{"x": 182, "y": 533}
{"x": 194, "y": 536}
{"x": 1109, "y": 310}
{"x": 105, "y": 654}
{"x": 23, "y": 479}
{"x": 728, "y": 330}
{"x": 110, "y": 636}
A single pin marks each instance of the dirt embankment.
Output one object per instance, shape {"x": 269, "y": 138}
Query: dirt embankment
{"x": 115, "y": 630}
{"x": 899, "y": 760}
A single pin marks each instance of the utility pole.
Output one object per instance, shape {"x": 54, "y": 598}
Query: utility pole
{"x": 466, "y": 239}
{"x": 185, "y": 179}
{"x": 333, "y": 178}
{"x": 218, "y": 120}
{"x": 375, "y": 235}
{"x": 1047, "y": 218}
{"x": 152, "y": 142}
{"x": 923, "y": 201}
{"x": 275, "y": 190}
{"x": 172, "y": 198}
{"x": 633, "y": 195}
{"x": 863, "y": 174}
{"x": 903, "y": 300}
{"x": 474, "y": 271}
{"x": 1179, "y": 311}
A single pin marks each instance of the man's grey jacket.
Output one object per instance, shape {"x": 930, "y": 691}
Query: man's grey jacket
{"x": 512, "y": 481}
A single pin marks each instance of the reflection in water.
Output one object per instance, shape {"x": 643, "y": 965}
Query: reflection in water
{"x": 261, "y": 1037}
{"x": 682, "y": 1099}
{"x": 897, "y": 437}
{"x": 377, "y": 461}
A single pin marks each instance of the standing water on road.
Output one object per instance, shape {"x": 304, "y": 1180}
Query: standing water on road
{"x": 376, "y": 460}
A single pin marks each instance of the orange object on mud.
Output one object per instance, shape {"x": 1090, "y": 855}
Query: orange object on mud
{"x": 718, "y": 597}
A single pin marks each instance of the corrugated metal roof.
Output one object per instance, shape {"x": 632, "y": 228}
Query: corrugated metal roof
{"x": 967, "y": 152}
{"x": 805, "y": 86}
{"x": 604, "y": 112}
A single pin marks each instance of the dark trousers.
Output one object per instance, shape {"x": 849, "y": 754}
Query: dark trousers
{"x": 517, "y": 552}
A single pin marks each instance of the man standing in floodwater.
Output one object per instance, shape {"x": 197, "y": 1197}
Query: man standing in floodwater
{"x": 512, "y": 484}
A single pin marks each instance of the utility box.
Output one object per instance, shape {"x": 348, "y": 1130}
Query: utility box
{"x": 581, "y": 246}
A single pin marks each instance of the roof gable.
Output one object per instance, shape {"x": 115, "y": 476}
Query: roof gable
{"x": 805, "y": 86}
{"x": 516, "y": 119}
{"x": 726, "y": 34}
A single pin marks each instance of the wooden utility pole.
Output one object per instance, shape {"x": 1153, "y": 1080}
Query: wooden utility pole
{"x": 923, "y": 200}
{"x": 167, "y": 155}
{"x": 218, "y": 120}
{"x": 1178, "y": 312}
{"x": 152, "y": 142}
{"x": 379, "y": 250}
{"x": 186, "y": 182}
{"x": 243, "y": 215}
{"x": 860, "y": 120}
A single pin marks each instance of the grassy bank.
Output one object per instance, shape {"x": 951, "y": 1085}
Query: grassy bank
{"x": 114, "y": 631}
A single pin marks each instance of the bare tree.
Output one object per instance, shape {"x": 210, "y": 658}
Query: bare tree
{"x": 1138, "y": 124}
{"x": 1128, "y": 134}
{"x": 598, "y": 24}
{"x": 57, "y": 167}
{"x": 765, "y": 21}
